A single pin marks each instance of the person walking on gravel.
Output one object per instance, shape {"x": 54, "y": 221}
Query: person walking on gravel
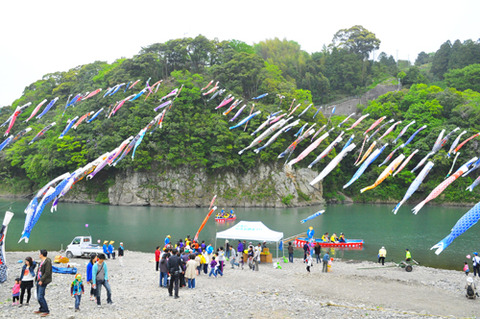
{"x": 100, "y": 278}
{"x": 174, "y": 268}
{"x": 43, "y": 278}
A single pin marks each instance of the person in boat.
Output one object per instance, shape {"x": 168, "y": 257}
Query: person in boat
{"x": 232, "y": 213}
{"x": 334, "y": 238}
{"x": 325, "y": 238}
{"x": 342, "y": 239}
{"x": 408, "y": 255}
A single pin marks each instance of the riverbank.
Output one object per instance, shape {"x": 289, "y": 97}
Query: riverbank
{"x": 333, "y": 201}
{"x": 346, "y": 292}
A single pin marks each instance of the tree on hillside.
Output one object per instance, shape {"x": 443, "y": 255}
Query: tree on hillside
{"x": 423, "y": 58}
{"x": 240, "y": 46}
{"x": 463, "y": 79}
{"x": 242, "y": 73}
{"x": 440, "y": 60}
{"x": 344, "y": 71}
{"x": 388, "y": 63}
{"x": 463, "y": 54}
{"x": 413, "y": 76}
{"x": 357, "y": 39}
{"x": 286, "y": 54}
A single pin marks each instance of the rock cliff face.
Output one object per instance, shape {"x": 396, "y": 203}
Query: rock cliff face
{"x": 264, "y": 186}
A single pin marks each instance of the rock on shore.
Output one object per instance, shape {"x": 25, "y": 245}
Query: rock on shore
{"x": 290, "y": 292}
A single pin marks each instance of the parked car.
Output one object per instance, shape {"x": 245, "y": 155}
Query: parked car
{"x": 82, "y": 246}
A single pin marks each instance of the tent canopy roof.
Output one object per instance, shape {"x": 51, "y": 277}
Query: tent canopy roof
{"x": 247, "y": 230}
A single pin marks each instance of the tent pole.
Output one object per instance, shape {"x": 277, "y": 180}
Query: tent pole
{"x": 277, "y": 249}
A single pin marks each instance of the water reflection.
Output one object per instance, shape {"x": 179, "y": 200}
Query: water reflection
{"x": 144, "y": 228}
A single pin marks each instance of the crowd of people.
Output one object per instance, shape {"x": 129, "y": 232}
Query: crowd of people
{"x": 181, "y": 262}
{"x": 40, "y": 273}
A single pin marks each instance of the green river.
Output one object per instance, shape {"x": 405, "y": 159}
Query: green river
{"x": 144, "y": 228}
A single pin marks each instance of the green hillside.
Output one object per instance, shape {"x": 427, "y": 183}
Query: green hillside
{"x": 195, "y": 135}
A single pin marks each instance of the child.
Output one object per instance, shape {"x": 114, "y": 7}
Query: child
{"x": 16, "y": 292}
{"x": 76, "y": 289}
{"x": 213, "y": 265}
{"x": 465, "y": 268}
{"x": 309, "y": 262}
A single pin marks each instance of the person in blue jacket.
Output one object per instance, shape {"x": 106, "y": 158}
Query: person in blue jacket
{"x": 105, "y": 248}
{"x": 167, "y": 240}
{"x": 111, "y": 249}
{"x": 100, "y": 278}
{"x": 93, "y": 259}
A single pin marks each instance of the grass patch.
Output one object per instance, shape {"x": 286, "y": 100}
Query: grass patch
{"x": 303, "y": 196}
{"x": 287, "y": 199}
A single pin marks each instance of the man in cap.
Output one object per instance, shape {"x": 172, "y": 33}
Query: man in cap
{"x": 111, "y": 250}
{"x": 382, "y": 253}
{"x": 105, "y": 248}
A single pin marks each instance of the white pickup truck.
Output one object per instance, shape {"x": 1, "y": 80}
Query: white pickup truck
{"x": 82, "y": 246}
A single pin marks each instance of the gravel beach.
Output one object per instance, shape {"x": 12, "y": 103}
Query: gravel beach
{"x": 290, "y": 292}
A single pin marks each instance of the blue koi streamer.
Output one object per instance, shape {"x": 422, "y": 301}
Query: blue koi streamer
{"x": 365, "y": 165}
{"x": 95, "y": 115}
{"x": 47, "y": 108}
{"x": 68, "y": 127}
{"x": 303, "y": 221}
{"x": 463, "y": 224}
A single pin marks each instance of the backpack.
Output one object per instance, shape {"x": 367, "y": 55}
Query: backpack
{"x": 470, "y": 291}
{"x": 100, "y": 274}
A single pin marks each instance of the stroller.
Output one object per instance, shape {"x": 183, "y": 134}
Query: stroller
{"x": 471, "y": 289}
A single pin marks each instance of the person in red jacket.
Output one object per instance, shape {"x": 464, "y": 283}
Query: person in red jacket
{"x": 157, "y": 257}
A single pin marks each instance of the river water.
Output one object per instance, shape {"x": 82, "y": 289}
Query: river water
{"x": 144, "y": 228}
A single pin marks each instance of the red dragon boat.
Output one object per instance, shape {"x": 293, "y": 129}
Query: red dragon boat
{"x": 351, "y": 243}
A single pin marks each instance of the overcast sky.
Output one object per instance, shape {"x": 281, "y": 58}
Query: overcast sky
{"x": 40, "y": 37}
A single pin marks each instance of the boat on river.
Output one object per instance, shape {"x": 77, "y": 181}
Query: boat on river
{"x": 351, "y": 243}
{"x": 225, "y": 218}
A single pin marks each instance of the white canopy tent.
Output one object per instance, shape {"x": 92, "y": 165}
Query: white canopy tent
{"x": 248, "y": 230}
